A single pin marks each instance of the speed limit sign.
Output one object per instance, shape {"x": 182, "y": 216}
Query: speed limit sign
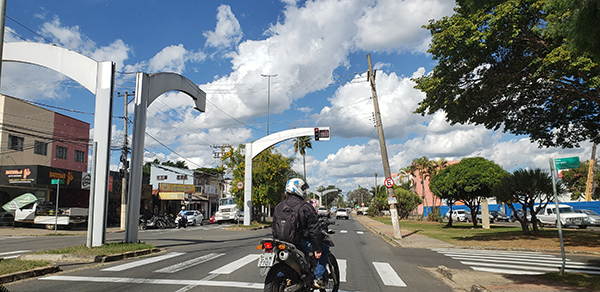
{"x": 389, "y": 182}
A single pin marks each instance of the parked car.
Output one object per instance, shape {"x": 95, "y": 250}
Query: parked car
{"x": 593, "y": 217}
{"x": 194, "y": 217}
{"x": 479, "y": 217}
{"x": 459, "y": 215}
{"x": 568, "y": 217}
{"x": 323, "y": 212}
{"x": 341, "y": 213}
{"x": 212, "y": 219}
{"x": 499, "y": 215}
{"x": 519, "y": 213}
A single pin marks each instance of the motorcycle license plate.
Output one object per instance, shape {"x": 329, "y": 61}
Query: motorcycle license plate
{"x": 266, "y": 260}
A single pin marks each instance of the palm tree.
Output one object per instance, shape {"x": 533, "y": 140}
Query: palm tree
{"x": 436, "y": 167}
{"x": 421, "y": 167}
{"x": 300, "y": 144}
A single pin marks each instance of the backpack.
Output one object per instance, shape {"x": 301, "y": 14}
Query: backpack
{"x": 287, "y": 225}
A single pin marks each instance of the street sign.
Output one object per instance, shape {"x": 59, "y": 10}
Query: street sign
{"x": 240, "y": 185}
{"x": 57, "y": 181}
{"x": 389, "y": 182}
{"x": 567, "y": 163}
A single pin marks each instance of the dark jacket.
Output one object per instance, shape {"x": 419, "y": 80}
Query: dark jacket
{"x": 309, "y": 220}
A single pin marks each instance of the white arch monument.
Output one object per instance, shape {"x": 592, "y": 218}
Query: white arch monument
{"x": 98, "y": 78}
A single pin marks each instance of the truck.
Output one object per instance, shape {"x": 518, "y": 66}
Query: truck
{"x": 568, "y": 217}
{"x": 228, "y": 211}
{"x": 30, "y": 210}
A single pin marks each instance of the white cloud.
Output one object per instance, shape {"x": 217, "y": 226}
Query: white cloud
{"x": 393, "y": 25}
{"x": 227, "y": 32}
{"x": 173, "y": 59}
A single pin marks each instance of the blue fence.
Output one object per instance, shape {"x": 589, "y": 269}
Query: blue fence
{"x": 592, "y": 205}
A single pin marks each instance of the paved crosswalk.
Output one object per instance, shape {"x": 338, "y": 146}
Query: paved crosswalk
{"x": 387, "y": 275}
{"x": 520, "y": 263}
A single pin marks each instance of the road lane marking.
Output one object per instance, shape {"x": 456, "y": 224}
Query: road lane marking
{"x": 506, "y": 271}
{"x": 342, "y": 265}
{"x": 229, "y": 268}
{"x": 181, "y": 266}
{"x": 388, "y": 275}
{"x": 180, "y": 282}
{"x": 142, "y": 262}
{"x": 551, "y": 262}
{"x": 12, "y": 254}
{"x": 359, "y": 232}
{"x": 343, "y": 231}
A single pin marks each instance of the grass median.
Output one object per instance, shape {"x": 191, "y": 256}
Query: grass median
{"x": 464, "y": 234}
{"x": 8, "y": 266}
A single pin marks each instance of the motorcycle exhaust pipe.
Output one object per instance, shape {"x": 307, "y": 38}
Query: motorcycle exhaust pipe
{"x": 284, "y": 255}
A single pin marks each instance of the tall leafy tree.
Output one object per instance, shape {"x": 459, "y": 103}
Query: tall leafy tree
{"x": 508, "y": 64}
{"x": 300, "y": 145}
{"x": 527, "y": 187}
{"x": 443, "y": 186}
{"x": 421, "y": 168}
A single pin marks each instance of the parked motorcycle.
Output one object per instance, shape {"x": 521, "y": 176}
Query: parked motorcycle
{"x": 288, "y": 269}
{"x": 142, "y": 223}
{"x": 156, "y": 222}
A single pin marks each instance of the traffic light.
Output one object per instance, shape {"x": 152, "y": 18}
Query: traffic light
{"x": 316, "y": 134}
{"x": 322, "y": 134}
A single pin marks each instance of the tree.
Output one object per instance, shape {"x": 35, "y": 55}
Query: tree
{"x": 214, "y": 171}
{"x": 270, "y": 172}
{"x": 420, "y": 167}
{"x": 407, "y": 201}
{"x": 504, "y": 64}
{"x": 469, "y": 181}
{"x": 574, "y": 180}
{"x": 329, "y": 198}
{"x": 442, "y": 185}
{"x": 360, "y": 195}
{"x": 526, "y": 187}
{"x": 300, "y": 145}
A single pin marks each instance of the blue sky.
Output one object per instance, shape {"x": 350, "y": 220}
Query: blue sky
{"x": 318, "y": 51}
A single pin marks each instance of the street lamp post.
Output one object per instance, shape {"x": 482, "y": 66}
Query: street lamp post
{"x": 268, "y": 97}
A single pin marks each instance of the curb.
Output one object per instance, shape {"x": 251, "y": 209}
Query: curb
{"x": 245, "y": 229}
{"x": 53, "y": 268}
{"x": 390, "y": 240}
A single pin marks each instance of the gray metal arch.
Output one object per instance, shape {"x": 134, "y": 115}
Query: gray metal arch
{"x": 147, "y": 89}
{"x": 98, "y": 78}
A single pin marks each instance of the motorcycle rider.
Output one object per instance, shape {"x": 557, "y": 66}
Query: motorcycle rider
{"x": 182, "y": 218}
{"x": 311, "y": 238}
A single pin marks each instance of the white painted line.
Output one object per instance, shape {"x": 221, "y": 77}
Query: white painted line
{"x": 181, "y": 266}
{"x": 229, "y": 268}
{"x": 388, "y": 275}
{"x": 516, "y": 267}
{"x": 180, "y": 282}
{"x": 142, "y": 262}
{"x": 343, "y": 231}
{"x": 543, "y": 264}
{"x": 503, "y": 271}
{"x": 343, "y": 266}
{"x": 359, "y": 232}
{"x": 509, "y": 260}
{"x": 485, "y": 251}
{"x": 13, "y": 252}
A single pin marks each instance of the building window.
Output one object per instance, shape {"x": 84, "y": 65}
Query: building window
{"x": 79, "y": 156}
{"x": 61, "y": 152}
{"x": 40, "y": 148}
{"x": 15, "y": 143}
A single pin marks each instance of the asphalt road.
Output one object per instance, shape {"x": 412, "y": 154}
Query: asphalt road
{"x": 202, "y": 259}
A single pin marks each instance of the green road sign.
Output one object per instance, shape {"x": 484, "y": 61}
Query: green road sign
{"x": 566, "y": 163}
{"x": 57, "y": 181}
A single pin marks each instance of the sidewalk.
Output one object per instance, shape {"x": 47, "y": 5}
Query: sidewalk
{"x": 462, "y": 279}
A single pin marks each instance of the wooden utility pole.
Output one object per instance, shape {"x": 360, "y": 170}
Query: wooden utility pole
{"x": 124, "y": 154}
{"x": 383, "y": 148}
{"x": 589, "y": 188}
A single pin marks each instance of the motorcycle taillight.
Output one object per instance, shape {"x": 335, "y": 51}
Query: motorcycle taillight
{"x": 268, "y": 246}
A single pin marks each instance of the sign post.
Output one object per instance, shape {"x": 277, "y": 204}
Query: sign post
{"x": 561, "y": 163}
{"x": 56, "y": 182}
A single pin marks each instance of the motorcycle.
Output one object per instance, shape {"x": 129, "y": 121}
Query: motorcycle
{"x": 155, "y": 222}
{"x": 142, "y": 224}
{"x": 288, "y": 269}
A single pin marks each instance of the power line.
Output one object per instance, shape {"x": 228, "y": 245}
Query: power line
{"x": 27, "y": 28}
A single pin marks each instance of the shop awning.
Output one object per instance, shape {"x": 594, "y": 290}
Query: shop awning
{"x": 179, "y": 196}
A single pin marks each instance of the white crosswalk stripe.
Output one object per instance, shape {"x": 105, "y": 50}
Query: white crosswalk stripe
{"x": 12, "y": 254}
{"x": 343, "y": 231}
{"x": 506, "y": 262}
{"x": 386, "y": 272}
{"x": 359, "y": 232}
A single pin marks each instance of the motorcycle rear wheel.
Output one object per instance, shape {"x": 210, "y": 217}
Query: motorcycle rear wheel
{"x": 279, "y": 277}
{"x": 333, "y": 273}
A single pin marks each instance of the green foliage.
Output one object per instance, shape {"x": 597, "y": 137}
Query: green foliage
{"x": 214, "y": 171}
{"x": 361, "y": 195}
{"x": 575, "y": 181}
{"x": 468, "y": 181}
{"x": 510, "y": 65}
{"x": 526, "y": 187}
{"x": 300, "y": 145}
{"x": 407, "y": 201}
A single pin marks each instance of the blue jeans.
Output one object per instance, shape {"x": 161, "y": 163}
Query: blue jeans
{"x": 305, "y": 246}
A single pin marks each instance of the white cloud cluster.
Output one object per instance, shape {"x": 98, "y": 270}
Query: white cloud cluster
{"x": 228, "y": 32}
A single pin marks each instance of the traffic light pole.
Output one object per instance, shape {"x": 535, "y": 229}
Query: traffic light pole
{"x": 384, "y": 155}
